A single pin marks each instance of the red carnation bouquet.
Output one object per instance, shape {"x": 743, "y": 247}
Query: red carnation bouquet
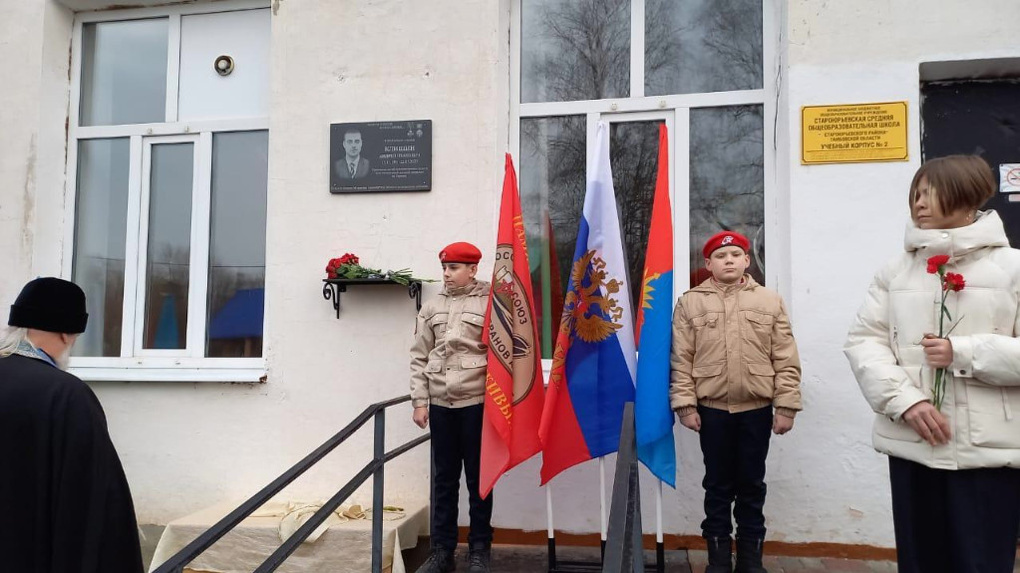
{"x": 349, "y": 267}
{"x": 334, "y": 267}
{"x": 950, "y": 282}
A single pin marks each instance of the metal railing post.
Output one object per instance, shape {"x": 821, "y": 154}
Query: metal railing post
{"x": 377, "y": 492}
{"x": 177, "y": 562}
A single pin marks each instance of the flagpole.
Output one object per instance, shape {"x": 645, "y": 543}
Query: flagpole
{"x": 602, "y": 502}
{"x": 545, "y": 267}
{"x": 660, "y": 549}
{"x": 549, "y": 524}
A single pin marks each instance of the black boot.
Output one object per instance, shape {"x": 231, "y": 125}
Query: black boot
{"x": 478, "y": 558}
{"x": 720, "y": 556}
{"x": 749, "y": 552}
{"x": 440, "y": 561}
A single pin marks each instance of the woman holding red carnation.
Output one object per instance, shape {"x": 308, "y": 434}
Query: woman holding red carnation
{"x": 936, "y": 351}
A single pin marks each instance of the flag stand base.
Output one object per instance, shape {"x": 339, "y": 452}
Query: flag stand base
{"x": 557, "y": 566}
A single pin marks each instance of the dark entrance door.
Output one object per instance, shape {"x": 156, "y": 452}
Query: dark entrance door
{"x": 978, "y": 117}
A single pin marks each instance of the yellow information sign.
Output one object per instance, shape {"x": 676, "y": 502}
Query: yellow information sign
{"x": 853, "y": 133}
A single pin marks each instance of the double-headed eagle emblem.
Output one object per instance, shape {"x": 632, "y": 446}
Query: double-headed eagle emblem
{"x": 586, "y": 311}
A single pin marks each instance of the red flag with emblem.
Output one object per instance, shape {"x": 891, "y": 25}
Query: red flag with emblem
{"x": 513, "y": 384}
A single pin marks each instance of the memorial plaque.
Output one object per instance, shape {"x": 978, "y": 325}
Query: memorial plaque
{"x": 380, "y": 156}
{"x": 854, "y": 133}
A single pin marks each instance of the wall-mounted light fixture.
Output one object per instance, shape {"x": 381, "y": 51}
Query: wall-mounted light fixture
{"x": 224, "y": 65}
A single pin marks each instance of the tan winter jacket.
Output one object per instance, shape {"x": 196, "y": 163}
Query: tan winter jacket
{"x": 733, "y": 350}
{"x": 448, "y": 356}
{"x": 982, "y": 399}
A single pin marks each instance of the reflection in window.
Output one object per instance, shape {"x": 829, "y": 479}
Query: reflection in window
{"x": 552, "y": 195}
{"x": 633, "y": 153}
{"x": 237, "y": 244}
{"x": 100, "y": 231}
{"x": 168, "y": 259}
{"x": 574, "y": 50}
{"x": 123, "y": 77}
{"x": 727, "y": 182}
{"x": 694, "y": 46}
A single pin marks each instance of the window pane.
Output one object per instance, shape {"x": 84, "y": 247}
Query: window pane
{"x": 696, "y": 46}
{"x": 574, "y": 50}
{"x": 633, "y": 153}
{"x": 552, "y": 195}
{"x": 123, "y": 76}
{"x": 237, "y": 244}
{"x": 100, "y": 230}
{"x": 203, "y": 93}
{"x": 169, "y": 249}
{"x": 727, "y": 182}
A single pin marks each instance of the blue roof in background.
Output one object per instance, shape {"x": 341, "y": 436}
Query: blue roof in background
{"x": 241, "y": 316}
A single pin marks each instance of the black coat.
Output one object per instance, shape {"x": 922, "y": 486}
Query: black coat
{"x": 65, "y": 505}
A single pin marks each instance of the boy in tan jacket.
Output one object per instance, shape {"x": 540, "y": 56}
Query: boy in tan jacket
{"x": 448, "y": 361}
{"x": 733, "y": 359}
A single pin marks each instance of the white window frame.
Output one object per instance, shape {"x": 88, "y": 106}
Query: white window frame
{"x": 675, "y": 109}
{"x": 136, "y": 364}
{"x": 198, "y": 264}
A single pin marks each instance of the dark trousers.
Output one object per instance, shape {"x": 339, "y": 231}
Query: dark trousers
{"x": 962, "y": 521}
{"x": 735, "y": 447}
{"x": 457, "y": 441}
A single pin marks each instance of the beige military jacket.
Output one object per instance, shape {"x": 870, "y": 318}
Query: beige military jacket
{"x": 733, "y": 349}
{"x": 448, "y": 357}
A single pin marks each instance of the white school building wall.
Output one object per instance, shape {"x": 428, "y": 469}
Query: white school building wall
{"x": 188, "y": 445}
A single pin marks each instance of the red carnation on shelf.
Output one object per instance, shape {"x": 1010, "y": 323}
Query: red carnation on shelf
{"x": 333, "y": 267}
{"x": 349, "y": 267}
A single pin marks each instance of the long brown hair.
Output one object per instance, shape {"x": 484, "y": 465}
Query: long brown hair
{"x": 955, "y": 182}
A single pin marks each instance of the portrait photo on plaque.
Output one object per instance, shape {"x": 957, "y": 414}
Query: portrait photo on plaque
{"x": 379, "y": 156}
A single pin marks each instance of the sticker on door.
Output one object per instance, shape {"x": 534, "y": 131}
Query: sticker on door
{"x": 1009, "y": 178}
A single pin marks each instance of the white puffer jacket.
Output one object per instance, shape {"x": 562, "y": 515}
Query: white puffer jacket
{"x": 983, "y": 395}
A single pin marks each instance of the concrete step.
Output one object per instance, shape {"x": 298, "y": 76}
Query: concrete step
{"x": 535, "y": 559}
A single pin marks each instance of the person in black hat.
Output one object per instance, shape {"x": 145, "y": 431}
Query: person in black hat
{"x": 62, "y": 487}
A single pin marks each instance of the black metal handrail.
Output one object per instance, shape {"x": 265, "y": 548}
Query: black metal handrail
{"x": 374, "y": 468}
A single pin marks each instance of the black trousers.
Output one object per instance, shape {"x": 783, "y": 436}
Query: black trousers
{"x": 456, "y": 442}
{"x": 735, "y": 447}
{"x": 962, "y": 521}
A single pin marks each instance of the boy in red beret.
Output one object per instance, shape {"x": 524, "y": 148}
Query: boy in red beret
{"x": 448, "y": 372}
{"x": 733, "y": 360}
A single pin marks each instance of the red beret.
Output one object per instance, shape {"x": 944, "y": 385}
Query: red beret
{"x": 725, "y": 239}
{"x": 460, "y": 253}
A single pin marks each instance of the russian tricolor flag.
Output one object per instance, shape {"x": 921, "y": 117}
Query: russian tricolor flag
{"x": 594, "y": 363}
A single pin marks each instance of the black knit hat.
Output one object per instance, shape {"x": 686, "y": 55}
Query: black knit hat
{"x": 50, "y": 304}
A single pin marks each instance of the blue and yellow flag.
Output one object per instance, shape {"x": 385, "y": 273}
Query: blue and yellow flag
{"x": 654, "y": 418}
